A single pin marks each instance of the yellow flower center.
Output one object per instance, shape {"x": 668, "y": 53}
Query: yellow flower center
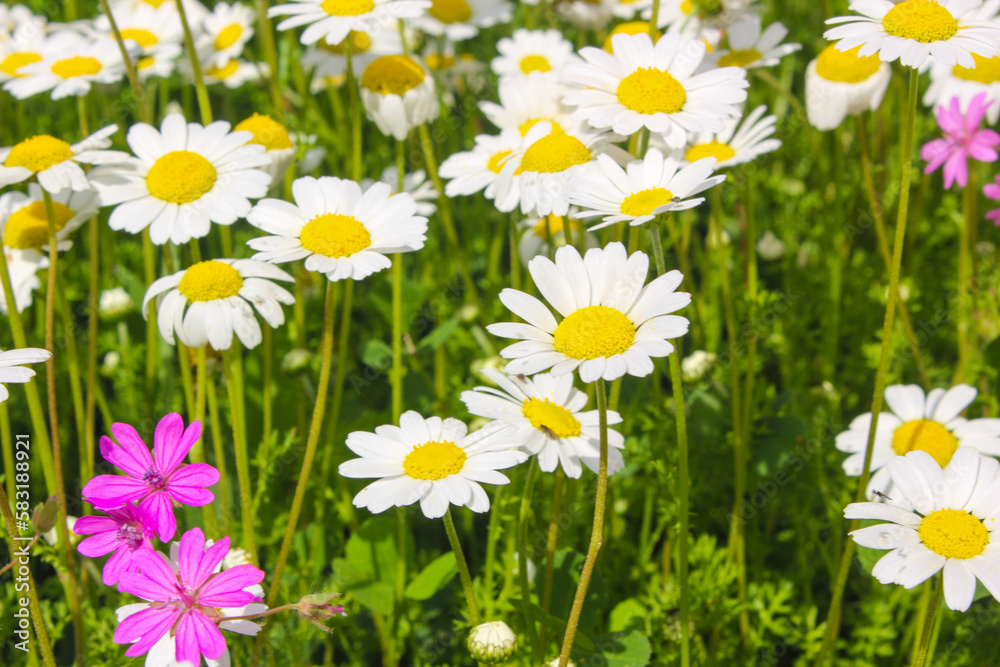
{"x": 496, "y": 162}
{"x": 630, "y": 28}
{"x": 535, "y": 63}
{"x": 145, "y": 62}
{"x": 953, "y": 534}
{"x": 716, "y": 149}
{"x": 228, "y": 36}
{"x": 39, "y": 153}
{"x": 439, "y": 62}
{"x": 450, "y": 11}
{"x": 553, "y": 224}
{"x": 360, "y": 42}
{"x": 267, "y": 132}
{"x": 528, "y": 124}
{"x": 434, "y": 460}
{"x": 156, "y": 3}
{"x": 392, "y": 75}
{"x": 141, "y": 36}
{"x": 594, "y": 332}
{"x": 925, "y": 435}
{"x": 646, "y": 201}
{"x": 76, "y": 66}
{"x": 210, "y": 281}
{"x": 987, "y": 70}
{"x": 687, "y": 7}
{"x": 555, "y": 152}
{"x": 28, "y": 227}
{"x": 845, "y": 66}
{"x": 16, "y": 61}
{"x": 921, "y": 20}
{"x": 180, "y": 177}
{"x": 225, "y": 71}
{"x": 347, "y": 7}
{"x": 650, "y": 90}
{"x": 552, "y": 418}
{"x": 740, "y": 58}
{"x": 334, "y": 235}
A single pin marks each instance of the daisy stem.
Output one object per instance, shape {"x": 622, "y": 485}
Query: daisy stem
{"x": 515, "y": 268}
{"x": 133, "y": 77}
{"x": 933, "y": 601}
{"x": 654, "y": 18}
{"x": 93, "y": 320}
{"x": 314, "y": 432}
{"x": 338, "y": 389}
{"x": 355, "y": 104}
{"x": 50, "y": 376}
{"x": 152, "y": 341}
{"x": 597, "y": 530}
{"x": 492, "y": 536}
{"x": 220, "y": 455}
{"x": 550, "y": 551}
{"x": 271, "y": 56}
{"x": 7, "y": 440}
{"x": 268, "y": 374}
{"x": 463, "y": 568}
{"x": 522, "y": 561}
{"x": 965, "y": 343}
{"x": 397, "y": 303}
{"x": 73, "y": 359}
{"x": 204, "y": 106}
{"x": 230, "y": 358}
{"x": 837, "y": 594}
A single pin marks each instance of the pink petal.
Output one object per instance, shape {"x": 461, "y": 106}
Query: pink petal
{"x": 112, "y": 491}
{"x": 129, "y": 440}
{"x": 119, "y": 563}
{"x": 982, "y": 153}
{"x": 197, "y": 636}
{"x": 197, "y": 475}
{"x": 956, "y": 169}
{"x": 226, "y": 588}
{"x": 146, "y": 626}
{"x": 89, "y": 525}
{"x": 171, "y": 442}
{"x": 99, "y": 545}
{"x": 161, "y": 514}
{"x": 200, "y": 564}
{"x": 977, "y": 109}
{"x": 992, "y": 190}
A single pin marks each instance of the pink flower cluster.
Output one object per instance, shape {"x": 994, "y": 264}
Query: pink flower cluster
{"x": 963, "y": 139}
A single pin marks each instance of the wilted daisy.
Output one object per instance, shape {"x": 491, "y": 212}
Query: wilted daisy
{"x": 398, "y": 94}
{"x": 333, "y": 19}
{"x": 541, "y": 236}
{"x": 478, "y": 169}
{"x": 611, "y": 323}
{"x": 956, "y": 513}
{"x": 209, "y": 301}
{"x": 70, "y": 65}
{"x": 461, "y": 19}
{"x": 947, "y": 31}
{"x": 155, "y": 31}
{"x": 742, "y": 141}
{"x": 276, "y": 140}
{"x": 225, "y": 32}
{"x": 54, "y": 163}
{"x": 430, "y": 460}
{"x": 749, "y": 47}
{"x": 338, "y": 229}
{"x": 526, "y": 101}
{"x": 965, "y": 84}
{"x": 330, "y": 62}
{"x": 184, "y": 177}
{"x": 916, "y": 422}
{"x": 546, "y": 417}
{"x": 839, "y": 83}
{"x": 654, "y": 86}
{"x": 24, "y": 222}
{"x": 532, "y": 51}
{"x": 23, "y": 46}
{"x": 12, "y": 370}
{"x": 641, "y": 190}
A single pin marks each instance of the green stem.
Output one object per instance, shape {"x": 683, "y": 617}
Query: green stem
{"x": 130, "y": 71}
{"x": 93, "y": 320}
{"x": 271, "y": 56}
{"x": 463, "y": 568}
{"x": 355, "y": 104}
{"x": 930, "y": 614}
{"x": 969, "y": 221}
{"x": 268, "y": 373}
{"x": 7, "y": 440}
{"x": 550, "y": 552}
{"x": 492, "y": 536}
{"x": 220, "y": 455}
{"x": 152, "y": 337}
{"x": 204, "y": 106}
{"x": 397, "y": 305}
{"x": 522, "y": 561}
{"x": 230, "y": 360}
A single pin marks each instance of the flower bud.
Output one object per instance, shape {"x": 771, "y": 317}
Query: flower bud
{"x": 492, "y": 642}
{"x": 295, "y": 361}
{"x": 114, "y": 303}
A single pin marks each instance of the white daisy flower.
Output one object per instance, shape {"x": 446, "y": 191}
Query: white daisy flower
{"x": 235, "y": 73}
{"x": 742, "y": 141}
{"x": 225, "y": 32}
{"x": 675, "y": 16}
{"x": 156, "y": 34}
{"x": 541, "y": 236}
{"x": 333, "y": 19}
{"x": 415, "y": 183}
{"x": 479, "y": 169}
{"x": 585, "y": 14}
{"x": 654, "y": 86}
{"x": 54, "y": 163}
{"x": 629, "y": 28}
{"x": 24, "y": 223}
{"x": 13, "y": 15}
{"x": 626, "y": 9}
{"x": 957, "y": 512}
{"x": 331, "y": 61}
{"x": 461, "y": 19}
{"x": 529, "y": 52}
{"x": 194, "y": 10}
{"x": 525, "y": 101}
{"x": 398, "y": 94}
{"x": 276, "y": 140}
{"x": 209, "y": 301}
{"x": 928, "y": 423}
{"x": 338, "y": 229}
{"x": 12, "y": 371}
{"x": 965, "y": 83}
{"x": 24, "y": 45}
{"x": 23, "y": 269}
{"x": 641, "y": 190}
{"x": 949, "y": 31}
{"x": 839, "y": 83}
{"x": 70, "y": 64}
{"x": 428, "y": 460}
{"x": 545, "y": 413}
{"x": 612, "y": 323}
{"x": 184, "y": 177}
{"x": 749, "y": 47}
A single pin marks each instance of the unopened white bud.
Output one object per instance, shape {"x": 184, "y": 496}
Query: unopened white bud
{"x": 492, "y": 642}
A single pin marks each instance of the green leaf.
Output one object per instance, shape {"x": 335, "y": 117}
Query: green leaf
{"x": 625, "y": 614}
{"x": 554, "y": 623}
{"x": 618, "y": 649}
{"x": 433, "y": 578}
{"x": 565, "y": 577}
{"x": 373, "y": 548}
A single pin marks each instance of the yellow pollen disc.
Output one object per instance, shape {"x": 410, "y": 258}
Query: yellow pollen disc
{"x": 630, "y": 28}
{"x": 76, "y": 66}
{"x": 16, "y": 61}
{"x": 928, "y": 436}
{"x": 555, "y": 152}
{"x": 921, "y": 20}
{"x": 646, "y": 201}
{"x": 594, "y": 332}
{"x": 145, "y": 62}
{"x": 953, "y": 534}
{"x": 716, "y": 149}
{"x": 141, "y": 36}
{"x": 649, "y": 91}
{"x": 360, "y": 42}
{"x": 439, "y": 63}
{"x": 28, "y": 227}
{"x": 347, "y": 7}
{"x": 228, "y": 36}
{"x": 687, "y": 6}
{"x": 156, "y": 3}
{"x": 209, "y": 281}
{"x": 845, "y": 66}
{"x": 496, "y": 162}
{"x": 535, "y": 63}
{"x": 553, "y": 224}
{"x": 334, "y": 235}
{"x": 987, "y": 70}
{"x": 267, "y": 132}
{"x": 434, "y": 460}
{"x": 528, "y": 124}
{"x": 740, "y": 58}
{"x": 552, "y": 418}
{"x": 39, "y": 153}
{"x": 180, "y": 177}
{"x": 225, "y": 71}
{"x": 392, "y": 75}
{"x": 450, "y": 11}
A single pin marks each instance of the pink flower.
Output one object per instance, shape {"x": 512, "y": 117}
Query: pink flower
{"x": 962, "y": 140}
{"x": 155, "y": 481}
{"x": 992, "y": 191}
{"x": 190, "y": 601}
{"x": 124, "y": 531}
